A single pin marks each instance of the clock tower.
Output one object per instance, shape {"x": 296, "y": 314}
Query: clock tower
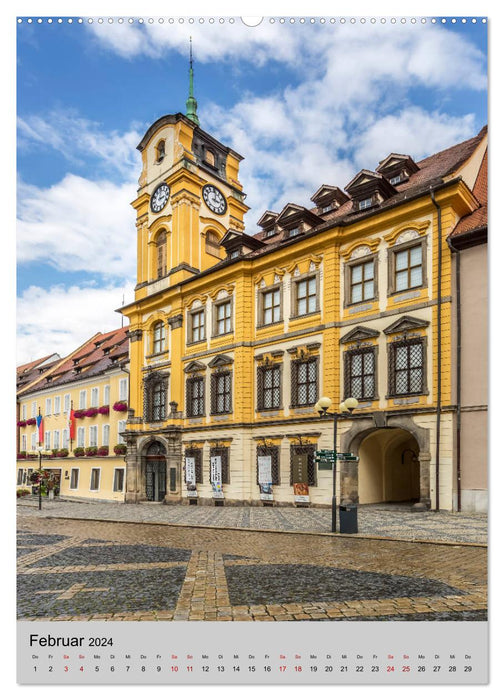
{"x": 189, "y": 195}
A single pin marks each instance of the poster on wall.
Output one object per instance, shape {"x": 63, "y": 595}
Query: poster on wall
{"x": 253, "y": 220}
{"x": 264, "y": 477}
{"x": 216, "y": 477}
{"x": 190, "y": 477}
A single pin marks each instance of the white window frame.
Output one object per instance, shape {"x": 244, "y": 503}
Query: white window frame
{"x": 81, "y": 436}
{"x": 23, "y": 412}
{"x": 94, "y": 469}
{"x": 93, "y": 436}
{"x": 123, "y": 389}
{"x": 83, "y": 398}
{"x": 34, "y": 409}
{"x": 106, "y": 435}
{"x": 72, "y": 471}
{"x": 48, "y": 407}
{"x": 20, "y": 474}
{"x": 23, "y": 443}
{"x": 121, "y": 427}
{"x": 34, "y": 441}
{"x": 106, "y": 395}
{"x": 95, "y": 397}
{"x": 118, "y": 469}
{"x": 47, "y": 440}
{"x": 57, "y": 405}
{"x": 365, "y": 203}
{"x": 56, "y": 439}
{"x": 66, "y": 403}
{"x": 65, "y": 439}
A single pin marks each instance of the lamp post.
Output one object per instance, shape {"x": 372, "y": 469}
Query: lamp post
{"x": 345, "y": 408}
{"x": 40, "y": 478}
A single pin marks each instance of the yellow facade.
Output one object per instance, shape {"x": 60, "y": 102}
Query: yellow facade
{"x": 77, "y": 382}
{"x": 226, "y": 320}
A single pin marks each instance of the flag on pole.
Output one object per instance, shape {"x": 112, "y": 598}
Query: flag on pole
{"x": 40, "y": 426}
{"x": 71, "y": 423}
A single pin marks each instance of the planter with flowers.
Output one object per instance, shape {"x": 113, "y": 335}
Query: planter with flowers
{"x": 120, "y": 406}
{"x": 104, "y": 410}
{"x": 80, "y": 413}
{"x": 31, "y": 421}
{"x": 103, "y": 451}
{"x": 91, "y": 451}
{"x": 91, "y": 412}
{"x": 63, "y": 453}
{"x": 20, "y": 493}
{"x": 79, "y": 452}
{"x": 120, "y": 449}
{"x": 21, "y": 424}
{"x": 21, "y": 455}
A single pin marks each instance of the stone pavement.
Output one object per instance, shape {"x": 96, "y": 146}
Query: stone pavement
{"x": 72, "y": 569}
{"x": 380, "y": 521}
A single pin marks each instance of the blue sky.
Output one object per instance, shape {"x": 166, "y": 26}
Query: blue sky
{"x": 305, "y": 104}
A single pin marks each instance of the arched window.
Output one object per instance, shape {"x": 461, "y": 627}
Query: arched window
{"x": 158, "y": 337}
{"x": 161, "y": 254}
{"x": 212, "y": 243}
{"x": 160, "y": 151}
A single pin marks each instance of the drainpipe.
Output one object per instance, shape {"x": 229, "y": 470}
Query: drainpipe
{"x": 459, "y": 371}
{"x": 438, "y": 305}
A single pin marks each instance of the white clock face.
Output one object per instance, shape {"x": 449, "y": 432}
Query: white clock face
{"x": 214, "y": 199}
{"x": 159, "y": 198}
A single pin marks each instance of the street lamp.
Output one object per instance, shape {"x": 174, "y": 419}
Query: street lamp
{"x": 345, "y": 408}
{"x": 40, "y": 478}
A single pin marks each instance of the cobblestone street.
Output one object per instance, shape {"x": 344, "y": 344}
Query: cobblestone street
{"x": 97, "y": 568}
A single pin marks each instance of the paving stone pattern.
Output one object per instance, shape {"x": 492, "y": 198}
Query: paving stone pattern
{"x": 396, "y": 522}
{"x": 88, "y": 570}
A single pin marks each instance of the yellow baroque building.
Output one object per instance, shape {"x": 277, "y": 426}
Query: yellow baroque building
{"x": 234, "y": 337}
{"x": 93, "y": 381}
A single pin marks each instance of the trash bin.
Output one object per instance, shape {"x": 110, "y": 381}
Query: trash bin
{"x": 348, "y": 519}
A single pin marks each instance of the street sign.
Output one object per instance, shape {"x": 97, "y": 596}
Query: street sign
{"x": 324, "y": 465}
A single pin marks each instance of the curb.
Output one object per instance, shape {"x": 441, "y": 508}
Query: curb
{"x": 449, "y": 543}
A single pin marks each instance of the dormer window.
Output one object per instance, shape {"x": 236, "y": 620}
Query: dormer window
{"x": 160, "y": 151}
{"x": 270, "y": 233}
{"x": 294, "y": 232}
{"x": 395, "y": 180}
{"x": 235, "y": 254}
{"x": 209, "y": 157}
{"x": 365, "y": 203}
{"x": 327, "y": 208}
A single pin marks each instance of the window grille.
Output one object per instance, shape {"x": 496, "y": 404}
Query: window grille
{"x": 304, "y": 382}
{"x": 269, "y": 392}
{"x": 274, "y": 453}
{"x": 197, "y": 454}
{"x": 224, "y": 454}
{"x": 155, "y": 395}
{"x": 195, "y": 397}
{"x": 360, "y": 368}
{"x": 220, "y": 395}
{"x": 407, "y": 367}
{"x": 306, "y": 450}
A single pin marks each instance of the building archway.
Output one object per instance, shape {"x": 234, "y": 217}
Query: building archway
{"x": 155, "y": 471}
{"x": 389, "y": 467}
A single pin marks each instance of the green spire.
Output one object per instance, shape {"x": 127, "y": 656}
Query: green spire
{"x": 191, "y": 104}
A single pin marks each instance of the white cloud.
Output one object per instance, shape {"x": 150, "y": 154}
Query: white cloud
{"x": 60, "y": 319}
{"x": 78, "y": 224}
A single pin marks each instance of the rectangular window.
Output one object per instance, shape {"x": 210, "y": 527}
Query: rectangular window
{"x": 56, "y": 439}
{"x": 93, "y": 436}
{"x": 271, "y": 307}
{"x": 293, "y": 232}
{"x": 20, "y": 477}
{"x": 95, "y": 480}
{"x": 158, "y": 337}
{"x": 95, "y": 396}
{"x": 365, "y": 203}
{"x": 23, "y": 412}
{"x": 195, "y": 396}
{"x": 360, "y": 366}
{"x": 82, "y": 398}
{"x": 74, "y": 479}
{"x": 362, "y": 285}
{"x": 221, "y": 392}
{"x": 65, "y": 439}
{"x": 223, "y": 453}
{"x": 23, "y": 443}
{"x": 48, "y": 407}
{"x": 118, "y": 480}
{"x": 223, "y": 318}
{"x": 106, "y": 395}
{"x": 395, "y": 180}
{"x": 121, "y": 427}
{"x": 57, "y": 405}
{"x": 197, "y": 330}
{"x": 306, "y": 296}
{"x": 408, "y": 268}
{"x": 123, "y": 390}
{"x": 274, "y": 453}
{"x": 304, "y": 382}
{"x": 66, "y": 403}
{"x": 269, "y": 392}
{"x": 407, "y": 367}
{"x": 47, "y": 440}
{"x": 106, "y": 436}
{"x": 34, "y": 409}
{"x": 81, "y": 436}
{"x": 309, "y": 451}
{"x": 197, "y": 454}
{"x": 34, "y": 441}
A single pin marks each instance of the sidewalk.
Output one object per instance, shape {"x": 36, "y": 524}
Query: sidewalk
{"x": 395, "y": 523}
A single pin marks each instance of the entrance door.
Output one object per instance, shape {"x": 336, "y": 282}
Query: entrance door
{"x": 155, "y": 483}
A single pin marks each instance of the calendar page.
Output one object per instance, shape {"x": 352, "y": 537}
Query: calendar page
{"x": 251, "y": 352}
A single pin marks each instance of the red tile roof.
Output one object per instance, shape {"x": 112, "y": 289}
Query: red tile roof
{"x": 477, "y": 219}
